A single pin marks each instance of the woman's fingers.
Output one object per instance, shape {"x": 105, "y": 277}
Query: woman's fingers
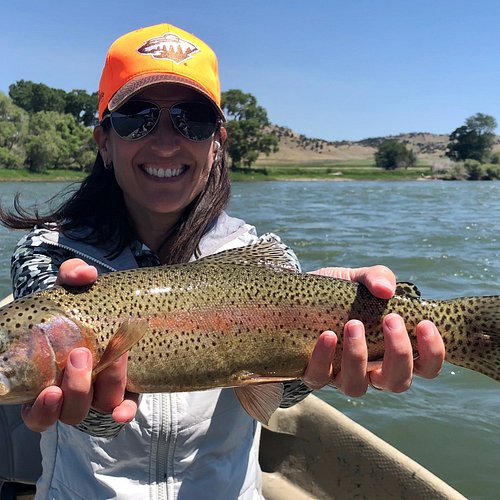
{"x": 126, "y": 410}
{"x": 319, "y": 369}
{"x": 352, "y": 379}
{"x": 110, "y": 394}
{"x": 380, "y": 280}
{"x": 77, "y": 386}
{"x": 431, "y": 350}
{"x": 45, "y": 411}
{"x": 396, "y": 373}
{"x": 76, "y": 272}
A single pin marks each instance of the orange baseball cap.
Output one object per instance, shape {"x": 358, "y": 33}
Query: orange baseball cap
{"x": 157, "y": 54}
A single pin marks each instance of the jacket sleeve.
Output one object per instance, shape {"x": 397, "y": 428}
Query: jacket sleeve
{"x": 34, "y": 264}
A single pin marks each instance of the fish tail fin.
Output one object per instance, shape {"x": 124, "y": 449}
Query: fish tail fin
{"x": 479, "y": 348}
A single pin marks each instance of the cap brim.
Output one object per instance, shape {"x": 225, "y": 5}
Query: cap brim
{"x": 139, "y": 83}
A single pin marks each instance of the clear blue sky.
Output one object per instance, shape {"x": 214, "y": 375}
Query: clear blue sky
{"x": 332, "y": 69}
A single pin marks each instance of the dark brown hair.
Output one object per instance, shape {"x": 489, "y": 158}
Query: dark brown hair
{"x": 99, "y": 205}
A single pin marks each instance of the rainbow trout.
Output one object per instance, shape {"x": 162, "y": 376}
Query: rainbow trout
{"x": 240, "y": 319}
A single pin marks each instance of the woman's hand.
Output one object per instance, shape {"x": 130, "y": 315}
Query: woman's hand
{"x": 71, "y": 402}
{"x": 398, "y": 366}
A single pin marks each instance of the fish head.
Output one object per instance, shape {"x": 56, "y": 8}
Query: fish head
{"x": 31, "y": 358}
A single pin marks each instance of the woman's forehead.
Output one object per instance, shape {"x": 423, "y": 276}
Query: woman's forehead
{"x": 169, "y": 91}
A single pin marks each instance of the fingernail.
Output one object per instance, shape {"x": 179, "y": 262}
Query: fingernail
{"x": 52, "y": 399}
{"x": 79, "y": 358}
{"x": 394, "y": 322}
{"x": 430, "y": 331}
{"x": 329, "y": 339}
{"x": 384, "y": 283}
{"x": 80, "y": 267}
{"x": 354, "y": 330}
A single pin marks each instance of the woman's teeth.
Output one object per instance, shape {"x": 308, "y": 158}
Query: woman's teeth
{"x": 164, "y": 172}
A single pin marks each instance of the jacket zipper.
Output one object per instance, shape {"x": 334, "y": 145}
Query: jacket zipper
{"x": 81, "y": 254}
{"x": 162, "y": 449}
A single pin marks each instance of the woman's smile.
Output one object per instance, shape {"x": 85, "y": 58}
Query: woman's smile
{"x": 163, "y": 173}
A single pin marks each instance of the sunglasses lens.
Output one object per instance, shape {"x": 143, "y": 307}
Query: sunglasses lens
{"x": 135, "y": 119}
{"x": 196, "y": 121}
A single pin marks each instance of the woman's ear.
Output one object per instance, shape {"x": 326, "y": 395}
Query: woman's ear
{"x": 223, "y": 135}
{"x": 101, "y": 139}
{"x": 219, "y": 142}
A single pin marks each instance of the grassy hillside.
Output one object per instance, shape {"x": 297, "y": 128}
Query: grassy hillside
{"x": 296, "y": 148}
{"x": 300, "y": 156}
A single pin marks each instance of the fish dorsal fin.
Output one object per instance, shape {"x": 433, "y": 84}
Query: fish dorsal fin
{"x": 267, "y": 254}
{"x": 409, "y": 290}
{"x": 127, "y": 335}
{"x": 260, "y": 401}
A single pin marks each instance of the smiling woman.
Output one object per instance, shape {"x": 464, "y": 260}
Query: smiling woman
{"x": 161, "y": 160}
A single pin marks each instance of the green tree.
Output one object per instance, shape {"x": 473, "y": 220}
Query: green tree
{"x": 392, "y": 154}
{"x": 13, "y": 129}
{"x": 474, "y": 140}
{"x": 82, "y": 106}
{"x": 57, "y": 141}
{"x": 246, "y": 128}
{"x": 34, "y": 97}
{"x": 474, "y": 170}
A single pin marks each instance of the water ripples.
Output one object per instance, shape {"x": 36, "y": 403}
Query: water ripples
{"x": 444, "y": 236}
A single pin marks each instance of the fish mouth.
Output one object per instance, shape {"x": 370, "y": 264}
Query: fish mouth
{"x": 4, "y": 385}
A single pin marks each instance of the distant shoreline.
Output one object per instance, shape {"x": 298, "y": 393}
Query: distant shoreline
{"x": 289, "y": 172}
{"x": 239, "y": 179}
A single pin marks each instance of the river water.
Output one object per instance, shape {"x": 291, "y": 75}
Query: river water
{"x": 443, "y": 236}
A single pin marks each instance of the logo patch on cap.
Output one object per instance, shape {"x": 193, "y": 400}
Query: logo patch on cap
{"x": 169, "y": 46}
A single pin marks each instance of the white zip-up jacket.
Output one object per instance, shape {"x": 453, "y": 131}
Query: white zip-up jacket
{"x": 197, "y": 445}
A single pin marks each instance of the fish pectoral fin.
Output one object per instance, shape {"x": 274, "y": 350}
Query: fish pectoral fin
{"x": 260, "y": 401}
{"x": 127, "y": 335}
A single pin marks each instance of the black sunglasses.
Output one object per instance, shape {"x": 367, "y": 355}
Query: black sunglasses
{"x": 196, "y": 121}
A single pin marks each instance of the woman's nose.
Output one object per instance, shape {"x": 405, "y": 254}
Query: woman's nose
{"x": 165, "y": 137}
